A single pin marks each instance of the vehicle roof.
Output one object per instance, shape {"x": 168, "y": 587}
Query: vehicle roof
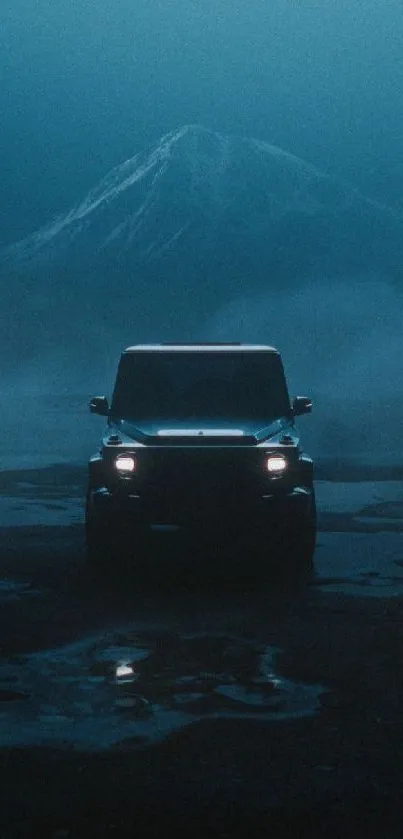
{"x": 190, "y": 347}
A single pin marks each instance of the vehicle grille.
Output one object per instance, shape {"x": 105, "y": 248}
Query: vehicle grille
{"x": 201, "y": 476}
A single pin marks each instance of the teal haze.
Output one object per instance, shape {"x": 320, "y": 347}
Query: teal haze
{"x": 177, "y": 169}
{"x": 87, "y": 84}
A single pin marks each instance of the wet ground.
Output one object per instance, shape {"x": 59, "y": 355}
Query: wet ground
{"x": 200, "y": 696}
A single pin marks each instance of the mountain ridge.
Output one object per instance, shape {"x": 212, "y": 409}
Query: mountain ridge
{"x": 201, "y": 161}
{"x": 174, "y": 233}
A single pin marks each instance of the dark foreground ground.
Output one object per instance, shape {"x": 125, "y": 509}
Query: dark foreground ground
{"x": 267, "y": 708}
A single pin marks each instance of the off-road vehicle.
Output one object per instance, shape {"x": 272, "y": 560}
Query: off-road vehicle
{"x": 201, "y": 439}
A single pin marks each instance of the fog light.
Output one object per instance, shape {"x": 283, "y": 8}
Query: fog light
{"x": 125, "y": 464}
{"x": 276, "y": 464}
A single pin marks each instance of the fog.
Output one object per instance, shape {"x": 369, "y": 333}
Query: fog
{"x": 343, "y": 348}
{"x": 85, "y": 85}
{"x": 339, "y": 346}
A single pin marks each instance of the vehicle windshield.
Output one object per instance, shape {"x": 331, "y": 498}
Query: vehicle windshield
{"x": 200, "y": 385}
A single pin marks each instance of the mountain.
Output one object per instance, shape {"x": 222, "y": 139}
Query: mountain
{"x": 171, "y": 234}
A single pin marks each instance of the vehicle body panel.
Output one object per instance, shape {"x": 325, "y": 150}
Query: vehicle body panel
{"x": 200, "y": 471}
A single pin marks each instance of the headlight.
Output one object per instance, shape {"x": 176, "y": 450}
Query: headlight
{"x": 125, "y": 464}
{"x": 276, "y": 464}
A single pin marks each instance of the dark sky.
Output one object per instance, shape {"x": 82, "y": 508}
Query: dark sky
{"x": 86, "y": 83}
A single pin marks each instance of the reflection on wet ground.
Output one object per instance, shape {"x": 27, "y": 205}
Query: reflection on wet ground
{"x": 57, "y": 498}
{"x": 360, "y": 564}
{"x": 141, "y": 687}
{"x": 360, "y": 546}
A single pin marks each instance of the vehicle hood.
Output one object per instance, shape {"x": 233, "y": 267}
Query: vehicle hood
{"x": 197, "y": 432}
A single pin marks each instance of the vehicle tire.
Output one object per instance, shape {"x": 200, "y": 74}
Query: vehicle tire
{"x": 100, "y": 540}
{"x": 305, "y": 540}
{"x": 110, "y": 546}
{"x": 98, "y": 545}
{"x": 291, "y": 546}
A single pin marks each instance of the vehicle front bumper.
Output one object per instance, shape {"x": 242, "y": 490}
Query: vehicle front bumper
{"x": 130, "y": 509}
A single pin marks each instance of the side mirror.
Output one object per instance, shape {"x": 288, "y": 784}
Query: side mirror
{"x": 301, "y": 405}
{"x": 99, "y": 405}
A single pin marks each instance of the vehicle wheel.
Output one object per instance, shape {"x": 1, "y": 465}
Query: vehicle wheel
{"x": 291, "y": 546}
{"x": 305, "y": 540}
{"x": 99, "y": 540}
{"x": 109, "y": 546}
{"x": 98, "y": 546}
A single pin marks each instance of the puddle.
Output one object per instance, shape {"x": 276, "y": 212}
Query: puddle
{"x": 22, "y": 512}
{"x": 353, "y": 497}
{"x": 360, "y": 564}
{"x": 363, "y": 557}
{"x": 104, "y": 691}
